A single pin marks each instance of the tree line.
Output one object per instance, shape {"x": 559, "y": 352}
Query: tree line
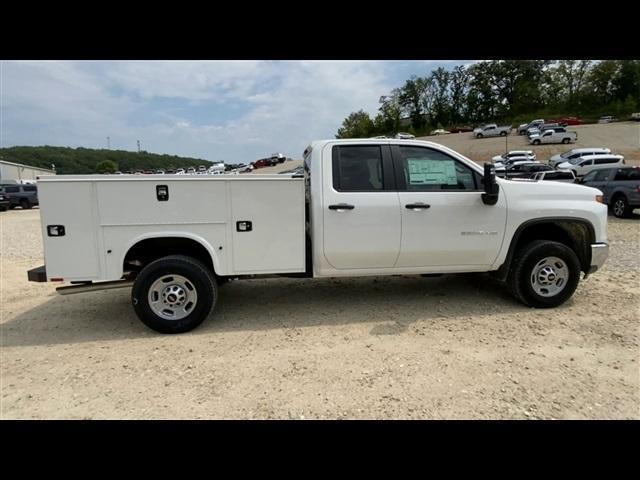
{"x": 502, "y": 91}
{"x": 87, "y": 160}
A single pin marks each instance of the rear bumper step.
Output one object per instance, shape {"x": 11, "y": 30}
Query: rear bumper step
{"x": 38, "y": 274}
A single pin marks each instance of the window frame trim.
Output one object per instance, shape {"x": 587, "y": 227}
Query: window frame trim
{"x": 388, "y": 174}
{"x": 402, "y": 184}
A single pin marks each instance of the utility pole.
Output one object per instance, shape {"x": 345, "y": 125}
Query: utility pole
{"x": 108, "y": 143}
{"x": 138, "y": 145}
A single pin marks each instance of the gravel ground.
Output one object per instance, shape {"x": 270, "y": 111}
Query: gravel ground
{"x": 389, "y": 347}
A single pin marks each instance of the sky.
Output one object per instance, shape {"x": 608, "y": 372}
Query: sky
{"x": 234, "y": 111}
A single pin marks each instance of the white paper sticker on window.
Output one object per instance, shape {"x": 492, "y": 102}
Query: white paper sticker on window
{"x": 424, "y": 171}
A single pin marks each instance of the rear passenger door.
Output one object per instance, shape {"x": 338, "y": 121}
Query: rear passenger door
{"x": 444, "y": 221}
{"x": 361, "y": 210}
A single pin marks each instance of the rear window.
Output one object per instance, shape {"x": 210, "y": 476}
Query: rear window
{"x": 358, "y": 169}
{"x": 603, "y": 161}
{"x": 628, "y": 174}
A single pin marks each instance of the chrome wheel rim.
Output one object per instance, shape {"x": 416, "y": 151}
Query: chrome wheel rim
{"x": 549, "y": 276}
{"x": 618, "y": 207}
{"x": 172, "y": 297}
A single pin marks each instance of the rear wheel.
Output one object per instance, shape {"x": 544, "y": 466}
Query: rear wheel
{"x": 479, "y": 135}
{"x": 620, "y": 207}
{"x": 174, "y": 294}
{"x": 503, "y": 134}
{"x": 544, "y": 274}
{"x": 536, "y": 142}
{"x": 565, "y": 140}
{"x": 25, "y": 204}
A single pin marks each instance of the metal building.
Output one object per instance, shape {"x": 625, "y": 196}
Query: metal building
{"x": 16, "y": 172}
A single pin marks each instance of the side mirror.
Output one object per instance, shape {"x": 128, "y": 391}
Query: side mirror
{"x": 491, "y": 187}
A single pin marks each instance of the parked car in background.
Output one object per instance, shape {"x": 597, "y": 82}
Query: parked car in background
{"x": 635, "y": 116}
{"x": 462, "y": 129}
{"x": 491, "y": 130}
{"x": 554, "y": 135}
{"x": 577, "y": 153}
{"x": 607, "y": 119}
{"x": 501, "y": 169}
{"x": 583, "y": 165}
{"x": 541, "y": 128}
{"x": 439, "y": 131}
{"x": 5, "y": 202}
{"x": 522, "y": 129}
{"x": 620, "y": 187}
{"x": 191, "y": 170}
{"x": 404, "y": 136}
{"x": 555, "y": 175}
{"x": 569, "y": 121}
{"x": 500, "y": 159}
{"x": 524, "y": 170}
{"x": 25, "y": 196}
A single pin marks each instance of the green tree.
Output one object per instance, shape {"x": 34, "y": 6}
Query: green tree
{"x": 356, "y": 125}
{"x": 412, "y": 100}
{"x": 107, "y": 166}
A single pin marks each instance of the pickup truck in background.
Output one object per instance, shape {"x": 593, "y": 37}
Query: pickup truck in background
{"x": 554, "y": 135}
{"x": 491, "y": 130}
{"x": 620, "y": 186}
{"x": 522, "y": 129}
{"x": 363, "y": 207}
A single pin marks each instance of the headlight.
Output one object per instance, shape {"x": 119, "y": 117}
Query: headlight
{"x": 599, "y": 198}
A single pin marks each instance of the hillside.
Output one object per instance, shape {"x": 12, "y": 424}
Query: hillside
{"x": 84, "y": 160}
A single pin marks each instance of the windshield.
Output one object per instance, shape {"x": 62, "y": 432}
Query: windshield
{"x": 575, "y": 161}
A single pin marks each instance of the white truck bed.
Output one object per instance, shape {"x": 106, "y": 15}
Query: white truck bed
{"x": 104, "y": 216}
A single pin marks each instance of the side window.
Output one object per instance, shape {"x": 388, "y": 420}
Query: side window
{"x": 602, "y": 161}
{"x": 602, "y": 175}
{"x": 622, "y": 174}
{"x": 425, "y": 169}
{"x": 586, "y": 163}
{"x": 29, "y": 188}
{"x": 357, "y": 168}
{"x": 590, "y": 176}
{"x": 12, "y": 189}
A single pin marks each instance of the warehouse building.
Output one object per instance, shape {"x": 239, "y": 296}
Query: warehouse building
{"x": 17, "y": 173}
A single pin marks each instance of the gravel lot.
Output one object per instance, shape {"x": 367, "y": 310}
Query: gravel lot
{"x": 389, "y": 347}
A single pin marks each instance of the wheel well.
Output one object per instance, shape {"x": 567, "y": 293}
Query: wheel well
{"x": 576, "y": 234}
{"x": 150, "y": 249}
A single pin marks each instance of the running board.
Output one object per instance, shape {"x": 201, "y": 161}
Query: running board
{"x": 92, "y": 287}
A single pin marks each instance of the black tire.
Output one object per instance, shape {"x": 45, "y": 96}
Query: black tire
{"x": 479, "y": 135}
{"x": 620, "y": 206}
{"x": 198, "y": 275}
{"x": 565, "y": 140}
{"x": 503, "y": 134}
{"x": 3, "y": 209}
{"x": 25, "y": 204}
{"x": 524, "y": 264}
{"x": 536, "y": 142}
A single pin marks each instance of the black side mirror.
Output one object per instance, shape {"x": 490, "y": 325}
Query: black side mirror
{"x": 491, "y": 187}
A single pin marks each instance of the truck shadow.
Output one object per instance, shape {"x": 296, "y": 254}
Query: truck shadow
{"x": 254, "y": 305}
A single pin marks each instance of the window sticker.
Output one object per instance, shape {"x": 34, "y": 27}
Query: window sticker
{"x": 424, "y": 171}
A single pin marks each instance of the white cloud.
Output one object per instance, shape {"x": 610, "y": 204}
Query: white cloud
{"x": 231, "y": 110}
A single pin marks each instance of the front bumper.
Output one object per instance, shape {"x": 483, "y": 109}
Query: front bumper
{"x": 599, "y": 253}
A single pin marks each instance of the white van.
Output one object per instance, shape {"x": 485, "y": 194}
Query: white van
{"x": 583, "y": 165}
{"x": 577, "y": 153}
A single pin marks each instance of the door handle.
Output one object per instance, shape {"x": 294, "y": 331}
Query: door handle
{"x": 417, "y": 206}
{"x": 341, "y": 206}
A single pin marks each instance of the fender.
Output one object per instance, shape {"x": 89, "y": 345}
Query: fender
{"x": 584, "y": 255}
{"x": 197, "y": 238}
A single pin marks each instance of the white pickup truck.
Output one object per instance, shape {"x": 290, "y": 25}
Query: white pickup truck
{"x": 554, "y": 135}
{"x": 491, "y": 130}
{"x": 363, "y": 207}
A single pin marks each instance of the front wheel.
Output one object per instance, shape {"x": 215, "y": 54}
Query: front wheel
{"x": 174, "y": 294}
{"x": 503, "y": 134}
{"x": 536, "y": 142}
{"x": 544, "y": 274}
{"x": 620, "y": 207}
{"x": 479, "y": 135}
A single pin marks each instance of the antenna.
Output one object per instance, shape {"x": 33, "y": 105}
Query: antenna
{"x": 138, "y": 145}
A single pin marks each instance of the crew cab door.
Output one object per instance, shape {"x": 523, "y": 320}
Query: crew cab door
{"x": 444, "y": 221}
{"x": 361, "y": 209}
{"x": 547, "y": 137}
